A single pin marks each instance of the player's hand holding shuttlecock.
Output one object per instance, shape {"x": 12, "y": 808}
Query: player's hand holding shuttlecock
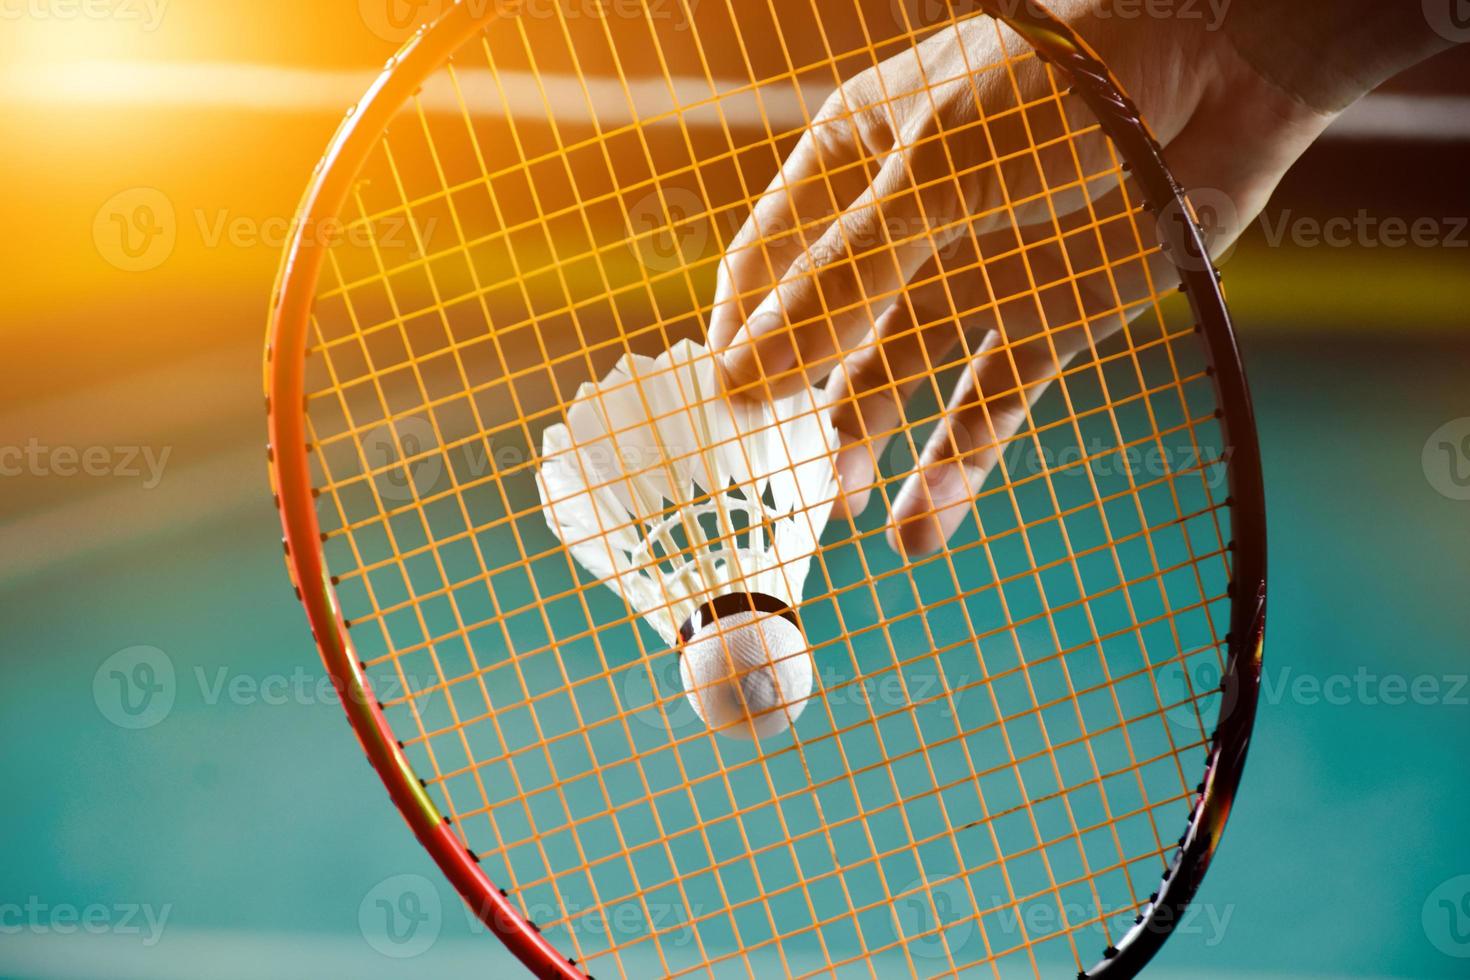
{"x": 936, "y": 213}
{"x": 704, "y": 514}
{"x": 901, "y": 235}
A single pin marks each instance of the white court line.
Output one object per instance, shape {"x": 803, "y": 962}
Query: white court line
{"x": 1406, "y": 118}
{"x": 266, "y": 88}
{"x": 263, "y": 88}
{"x": 190, "y": 955}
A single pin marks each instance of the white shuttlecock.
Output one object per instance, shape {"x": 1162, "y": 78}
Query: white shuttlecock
{"x": 704, "y": 514}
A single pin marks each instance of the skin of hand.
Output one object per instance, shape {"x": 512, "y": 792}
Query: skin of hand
{"x": 837, "y": 278}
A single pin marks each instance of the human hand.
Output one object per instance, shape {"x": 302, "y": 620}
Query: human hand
{"x": 946, "y": 208}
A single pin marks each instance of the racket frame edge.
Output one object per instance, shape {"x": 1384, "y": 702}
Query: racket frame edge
{"x": 1121, "y": 119}
{"x": 290, "y": 474}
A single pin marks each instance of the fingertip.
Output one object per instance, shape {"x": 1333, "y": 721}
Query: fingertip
{"x": 724, "y": 318}
{"x": 750, "y": 358}
{"x": 931, "y": 507}
{"x": 854, "y": 481}
{"x": 734, "y": 369}
{"x": 773, "y": 348}
{"x": 745, "y": 375}
{"x": 914, "y": 537}
{"x": 740, "y": 371}
{"x": 909, "y": 532}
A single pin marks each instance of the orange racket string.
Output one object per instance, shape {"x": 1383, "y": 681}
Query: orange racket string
{"x": 1082, "y": 414}
{"x": 407, "y": 543}
{"x": 860, "y": 631}
{"x": 1000, "y": 581}
{"x": 663, "y": 835}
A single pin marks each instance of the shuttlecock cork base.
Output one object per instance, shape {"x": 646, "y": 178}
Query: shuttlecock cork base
{"x": 745, "y": 665}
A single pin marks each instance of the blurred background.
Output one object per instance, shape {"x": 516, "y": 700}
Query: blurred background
{"x": 225, "y": 825}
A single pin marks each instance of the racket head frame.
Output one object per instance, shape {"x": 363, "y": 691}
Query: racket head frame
{"x": 290, "y": 474}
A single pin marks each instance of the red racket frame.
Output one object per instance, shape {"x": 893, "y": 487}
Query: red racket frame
{"x": 290, "y": 471}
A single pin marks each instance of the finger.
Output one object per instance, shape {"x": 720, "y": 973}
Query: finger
{"x": 820, "y": 178}
{"x": 954, "y": 300}
{"x": 1057, "y": 299}
{"x": 831, "y": 296}
{"x": 991, "y": 401}
{"x": 913, "y": 341}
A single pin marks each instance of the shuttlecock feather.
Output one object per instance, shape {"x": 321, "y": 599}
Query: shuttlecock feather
{"x": 700, "y": 511}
